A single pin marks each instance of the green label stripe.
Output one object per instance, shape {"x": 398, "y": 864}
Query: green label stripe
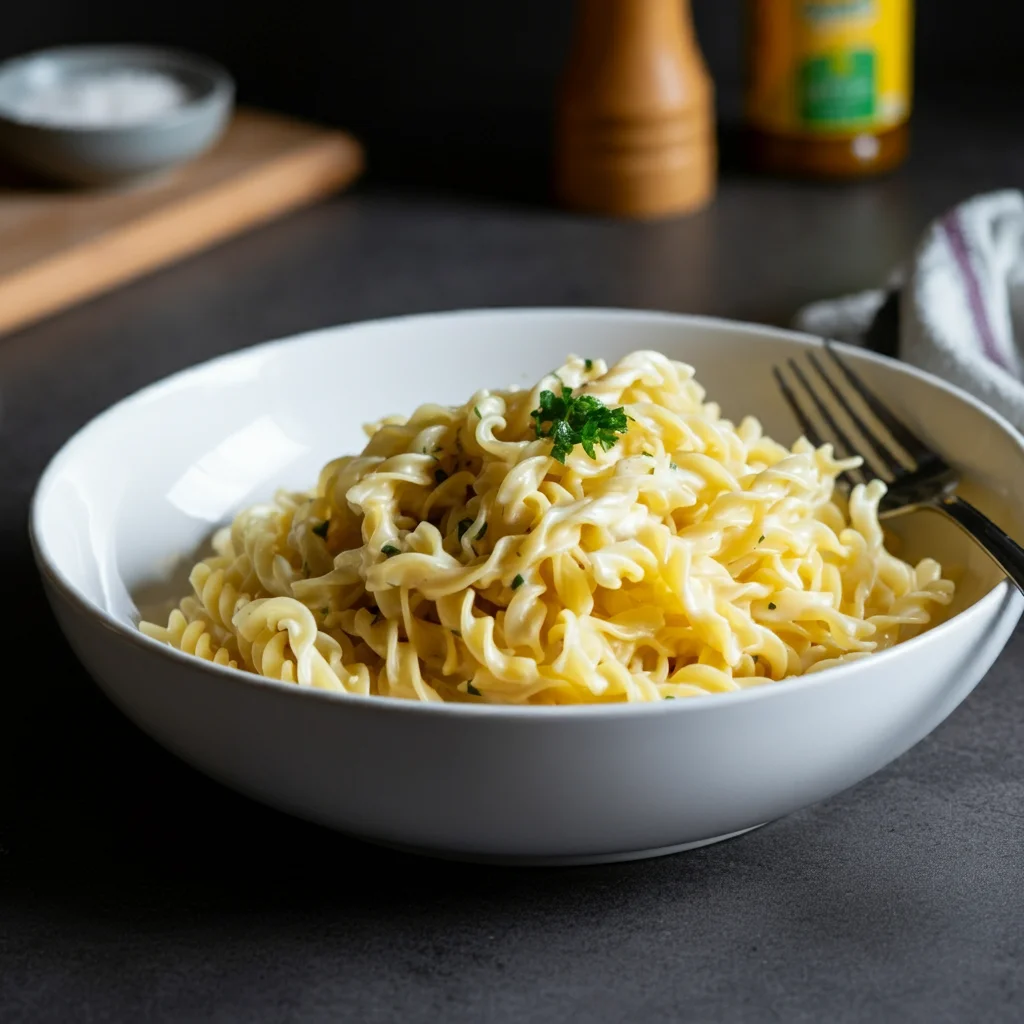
{"x": 838, "y": 89}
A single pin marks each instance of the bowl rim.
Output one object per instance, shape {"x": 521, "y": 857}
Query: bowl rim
{"x": 221, "y": 89}
{"x": 1001, "y": 593}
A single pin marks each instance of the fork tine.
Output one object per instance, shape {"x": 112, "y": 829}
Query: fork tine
{"x": 908, "y": 440}
{"x": 895, "y": 467}
{"x": 868, "y": 470}
{"x": 810, "y": 431}
{"x": 808, "y": 428}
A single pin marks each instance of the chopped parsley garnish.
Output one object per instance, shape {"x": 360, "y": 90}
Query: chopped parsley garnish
{"x": 649, "y": 455}
{"x": 480, "y": 533}
{"x": 321, "y": 528}
{"x": 390, "y": 550}
{"x": 588, "y": 364}
{"x": 672, "y": 465}
{"x": 518, "y": 581}
{"x": 440, "y": 475}
{"x": 670, "y": 696}
{"x": 581, "y": 420}
{"x": 464, "y": 525}
{"x": 771, "y": 606}
{"x": 760, "y": 540}
{"x": 472, "y": 690}
{"x": 477, "y": 411}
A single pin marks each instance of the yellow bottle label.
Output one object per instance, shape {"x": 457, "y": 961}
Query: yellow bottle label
{"x": 830, "y": 67}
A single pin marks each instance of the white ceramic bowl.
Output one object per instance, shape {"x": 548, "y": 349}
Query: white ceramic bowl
{"x": 148, "y": 480}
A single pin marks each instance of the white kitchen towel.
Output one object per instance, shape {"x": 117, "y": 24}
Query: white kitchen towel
{"x": 956, "y": 308}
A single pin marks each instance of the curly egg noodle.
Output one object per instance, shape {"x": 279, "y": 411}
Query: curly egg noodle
{"x": 455, "y": 559}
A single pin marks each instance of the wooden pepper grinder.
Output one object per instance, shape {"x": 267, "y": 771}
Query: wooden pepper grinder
{"x": 636, "y": 134}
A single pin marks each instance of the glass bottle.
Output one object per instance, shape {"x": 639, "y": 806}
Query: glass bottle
{"x": 829, "y": 90}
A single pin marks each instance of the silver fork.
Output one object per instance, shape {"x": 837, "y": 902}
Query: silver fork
{"x": 922, "y": 479}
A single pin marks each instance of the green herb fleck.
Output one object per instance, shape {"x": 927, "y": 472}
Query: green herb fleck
{"x": 760, "y": 540}
{"x": 670, "y": 696}
{"x": 480, "y": 533}
{"x": 321, "y": 528}
{"x": 390, "y": 550}
{"x": 582, "y": 420}
{"x": 649, "y": 455}
{"x": 464, "y": 525}
{"x": 588, "y": 364}
{"x": 477, "y": 411}
{"x": 771, "y": 606}
{"x": 672, "y": 465}
{"x": 472, "y": 690}
{"x": 518, "y": 581}
{"x": 440, "y": 475}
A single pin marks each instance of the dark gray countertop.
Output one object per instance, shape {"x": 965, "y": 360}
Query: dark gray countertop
{"x": 133, "y": 889}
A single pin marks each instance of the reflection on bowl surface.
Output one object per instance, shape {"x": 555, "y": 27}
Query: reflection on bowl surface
{"x": 538, "y": 783}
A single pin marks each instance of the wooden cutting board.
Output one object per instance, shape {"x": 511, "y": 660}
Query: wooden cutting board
{"x": 59, "y": 247}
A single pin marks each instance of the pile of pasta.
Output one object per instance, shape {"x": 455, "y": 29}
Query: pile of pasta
{"x": 456, "y": 559}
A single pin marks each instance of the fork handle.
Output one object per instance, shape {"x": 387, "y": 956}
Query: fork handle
{"x": 1002, "y": 548}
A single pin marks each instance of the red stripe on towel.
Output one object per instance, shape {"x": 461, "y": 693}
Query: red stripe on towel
{"x": 958, "y": 244}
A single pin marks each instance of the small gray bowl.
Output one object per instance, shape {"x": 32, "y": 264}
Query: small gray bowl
{"x": 91, "y": 155}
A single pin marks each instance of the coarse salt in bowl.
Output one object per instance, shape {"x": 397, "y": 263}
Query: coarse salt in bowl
{"x": 98, "y": 99}
{"x": 95, "y": 115}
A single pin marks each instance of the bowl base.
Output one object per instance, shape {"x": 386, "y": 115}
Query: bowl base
{"x": 569, "y": 860}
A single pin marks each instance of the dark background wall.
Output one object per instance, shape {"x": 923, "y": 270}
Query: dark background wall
{"x": 422, "y": 78}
